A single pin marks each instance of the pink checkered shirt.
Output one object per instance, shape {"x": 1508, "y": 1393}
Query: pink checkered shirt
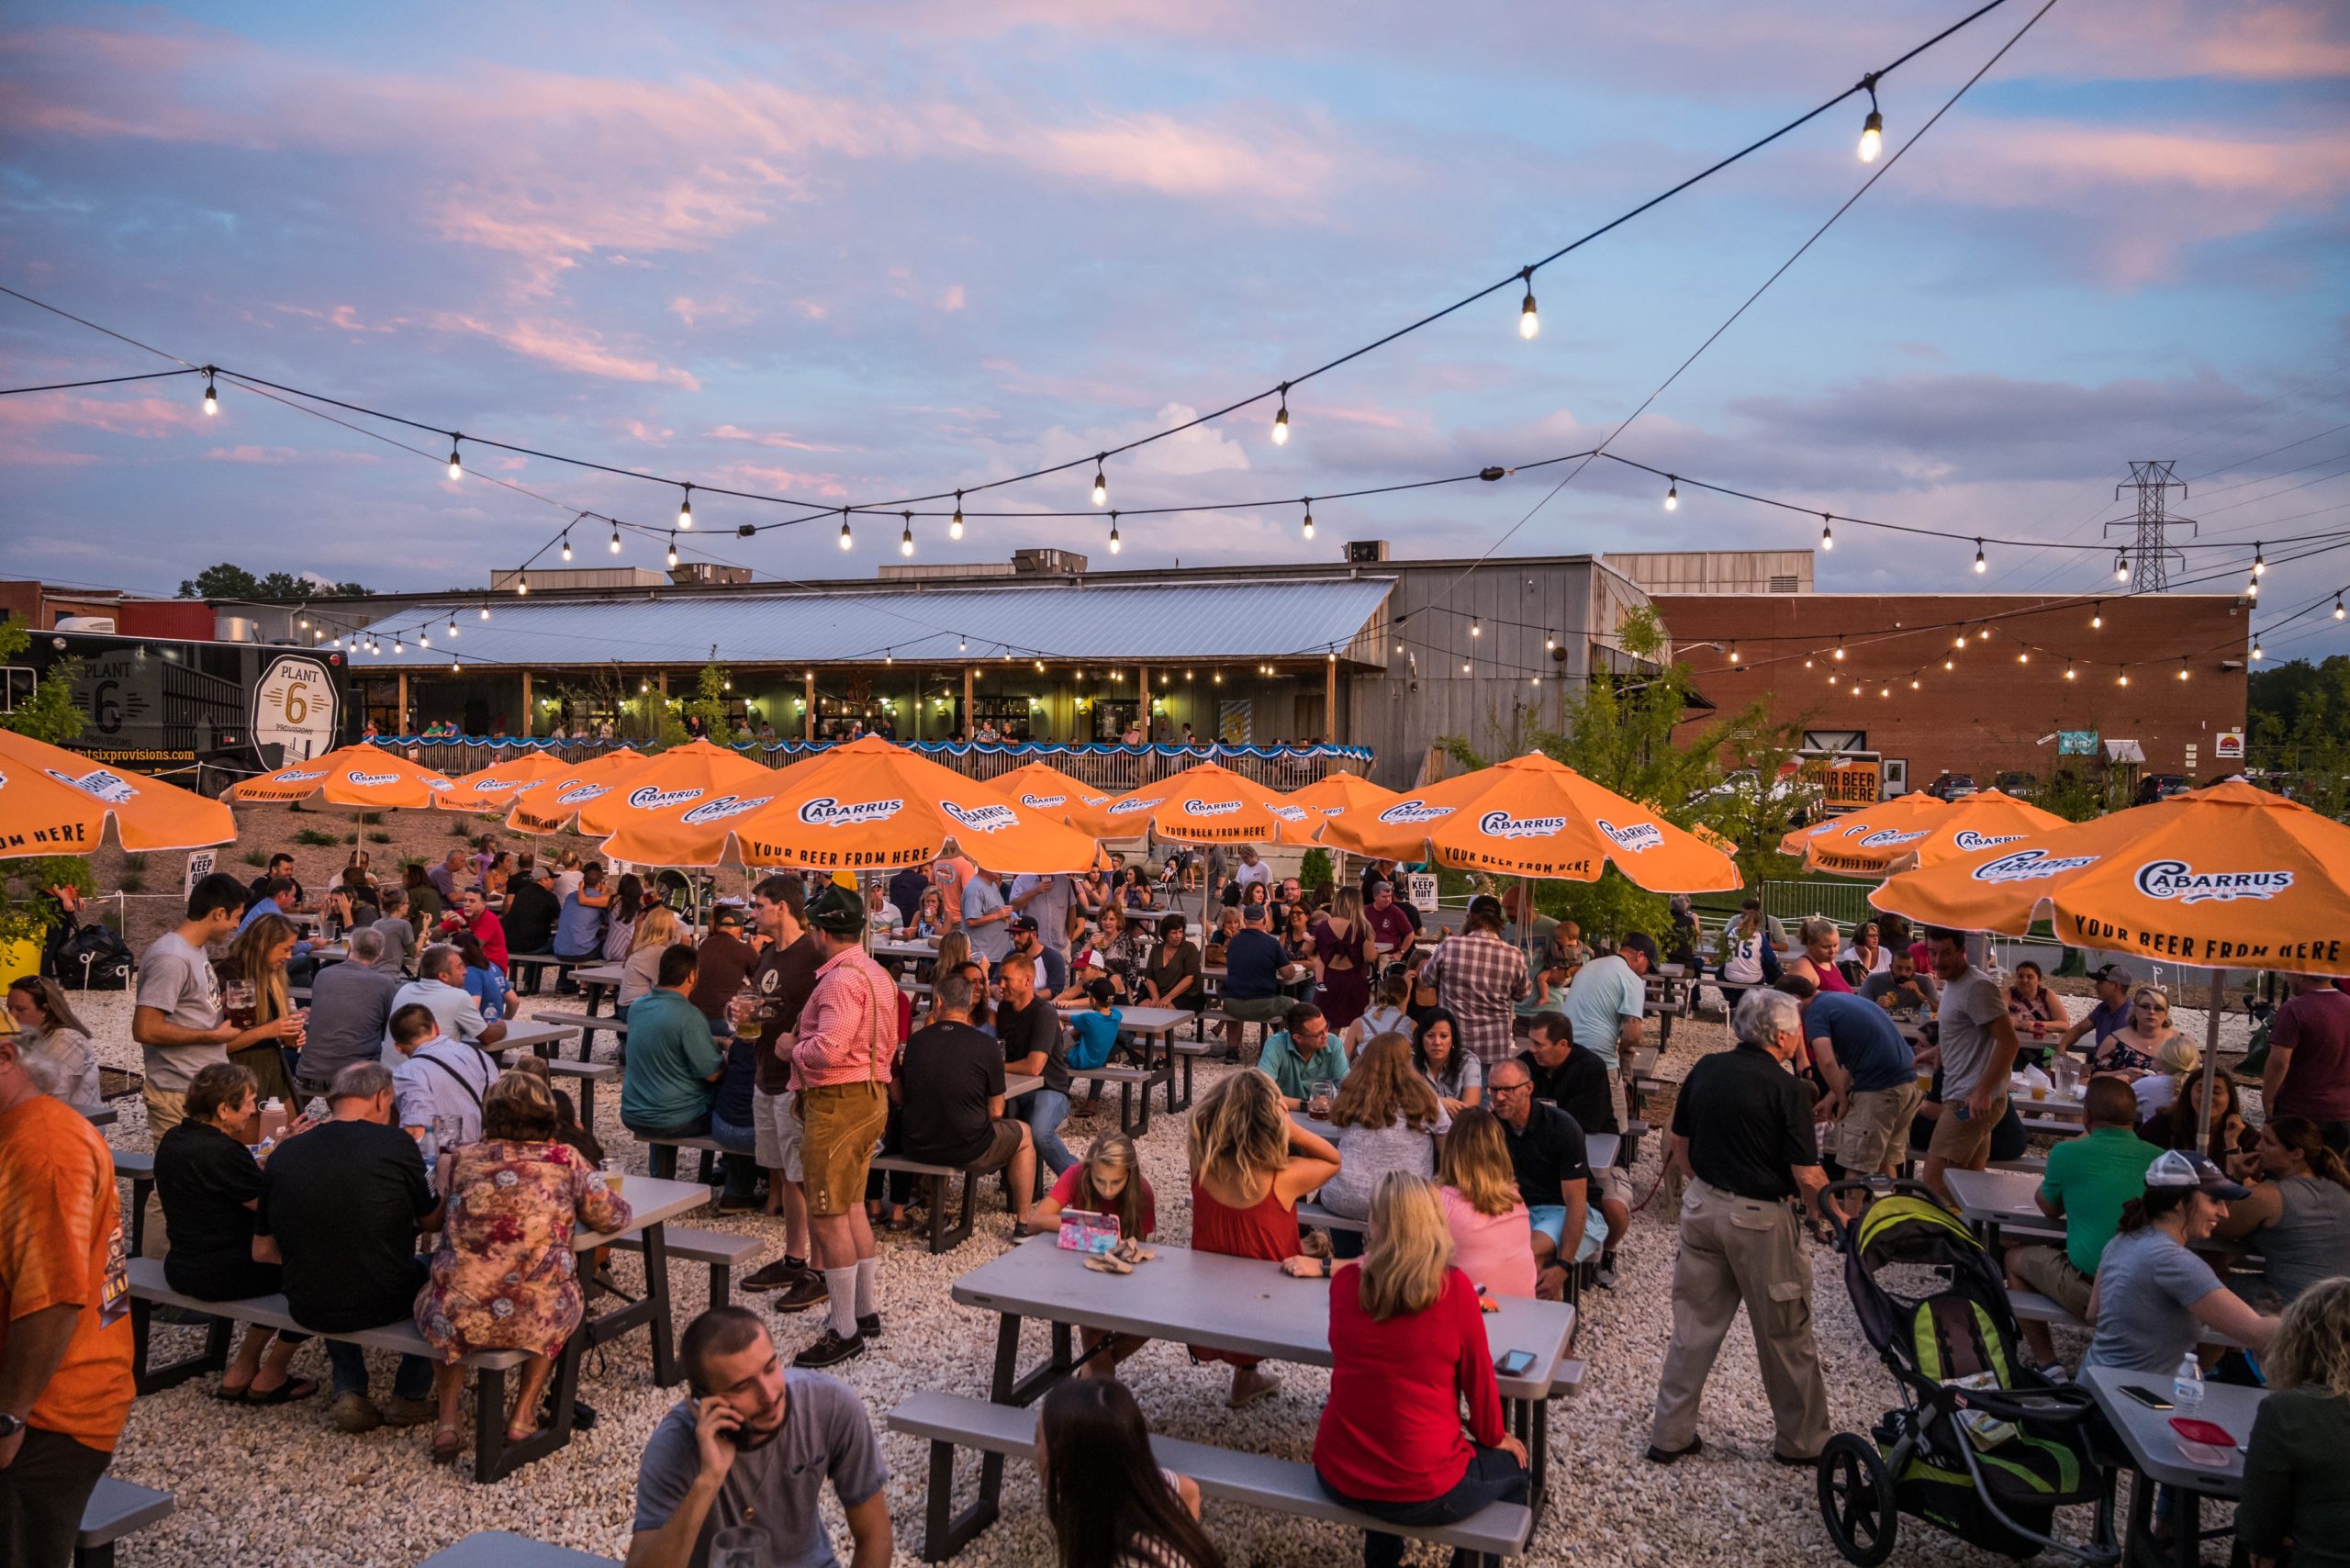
{"x": 848, "y": 1031}
{"x": 1479, "y": 978}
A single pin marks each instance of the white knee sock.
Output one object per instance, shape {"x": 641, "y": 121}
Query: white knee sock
{"x": 869, "y": 1283}
{"x": 840, "y": 1285}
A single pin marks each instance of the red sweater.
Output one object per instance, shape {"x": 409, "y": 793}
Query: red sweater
{"x": 1391, "y": 1431}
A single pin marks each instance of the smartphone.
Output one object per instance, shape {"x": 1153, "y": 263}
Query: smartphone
{"x": 2146, "y": 1396}
{"x": 1514, "y": 1363}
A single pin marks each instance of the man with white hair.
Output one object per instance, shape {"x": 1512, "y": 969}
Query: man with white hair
{"x": 1742, "y": 1129}
{"x": 351, "y": 1010}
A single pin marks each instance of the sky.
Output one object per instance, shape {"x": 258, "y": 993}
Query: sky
{"x": 850, "y": 253}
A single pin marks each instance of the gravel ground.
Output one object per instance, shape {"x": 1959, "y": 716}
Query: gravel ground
{"x": 278, "y": 1488}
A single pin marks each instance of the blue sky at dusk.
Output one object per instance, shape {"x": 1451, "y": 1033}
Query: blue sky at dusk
{"x": 854, "y": 253}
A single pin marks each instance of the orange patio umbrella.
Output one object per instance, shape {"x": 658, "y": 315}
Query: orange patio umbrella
{"x": 372, "y": 777}
{"x": 55, "y": 801}
{"x": 865, "y": 806}
{"x": 1891, "y": 841}
{"x": 1209, "y": 803}
{"x": 1340, "y": 793}
{"x": 1900, "y": 814}
{"x": 697, "y": 774}
{"x": 1046, "y": 788}
{"x": 1534, "y": 817}
{"x": 495, "y": 788}
{"x": 552, "y": 806}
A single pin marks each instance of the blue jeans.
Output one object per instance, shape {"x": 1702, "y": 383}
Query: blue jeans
{"x": 347, "y": 1365}
{"x": 1044, "y": 1110}
{"x": 1492, "y": 1476}
{"x": 741, "y": 1158}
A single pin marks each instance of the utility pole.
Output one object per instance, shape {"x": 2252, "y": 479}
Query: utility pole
{"x": 2148, "y": 559}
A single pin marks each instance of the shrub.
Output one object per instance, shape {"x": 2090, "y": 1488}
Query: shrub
{"x": 380, "y": 838}
{"x": 459, "y": 828}
{"x": 133, "y": 880}
{"x": 351, "y": 838}
{"x": 1314, "y": 870}
{"x": 311, "y": 835}
{"x": 369, "y": 819}
{"x": 256, "y": 858}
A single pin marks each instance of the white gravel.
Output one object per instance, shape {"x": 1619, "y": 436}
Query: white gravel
{"x": 280, "y": 1488}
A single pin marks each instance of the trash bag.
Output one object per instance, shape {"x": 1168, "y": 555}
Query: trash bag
{"x": 93, "y": 958}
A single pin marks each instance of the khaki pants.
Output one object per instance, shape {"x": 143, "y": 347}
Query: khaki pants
{"x": 165, "y": 1111}
{"x": 1736, "y": 1250}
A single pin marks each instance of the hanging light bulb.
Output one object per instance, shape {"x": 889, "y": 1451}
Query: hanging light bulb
{"x": 1465, "y": 667}
{"x": 2259, "y": 561}
{"x": 1840, "y": 649}
{"x": 1832, "y": 680}
{"x": 1807, "y": 661}
{"x": 1961, "y": 641}
{"x": 1873, "y": 128}
{"x": 303, "y": 622}
{"x": 888, "y": 656}
{"x": 2257, "y": 653}
{"x": 423, "y": 638}
{"x": 1113, "y": 534}
{"x": 521, "y": 584}
{"x": 211, "y": 397}
{"x": 906, "y": 539}
{"x": 1281, "y": 418}
{"x": 685, "y": 509}
{"x": 397, "y": 645}
{"x": 962, "y": 645}
{"x": 845, "y": 540}
{"x": 955, "y": 525}
{"x": 2023, "y": 655}
{"x": 1476, "y": 627}
{"x": 673, "y": 552}
{"x": 456, "y": 667}
{"x": 566, "y": 544}
{"x": 2338, "y": 611}
{"x": 1985, "y": 633}
{"x": 1913, "y": 683}
{"x": 1309, "y": 517}
{"x": 1101, "y": 481}
{"x": 317, "y": 633}
{"x": 1672, "y": 494}
{"x": 484, "y": 609}
{"x": 616, "y": 539}
{"x": 2122, "y": 678}
{"x": 452, "y": 625}
{"x": 1733, "y": 653}
{"x": 1885, "y": 691}
{"x": 1950, "y": 663}
{"x": 1827, "y": 532}
{"x": 2182, "y": 669}
{"x": 2068, "y": 670}
{"x": 1549, "y": 644}
{"x": 2122, "y": 567}
{"x": 456, "y": 464}
{"x": 2097, "y": 616}
{"x": 1981, "y": 565}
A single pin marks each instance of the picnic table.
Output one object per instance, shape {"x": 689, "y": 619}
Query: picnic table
{"x": 1990, "y": 1201}
{"x": 594, "y": 980}
{"x": 915, "y": 949}
{"x": 2156, "y": 1455}
{"x": 544, "y": 1040}
{"x": 503, "y": 1549}
{"x": 1239, "y": 1304}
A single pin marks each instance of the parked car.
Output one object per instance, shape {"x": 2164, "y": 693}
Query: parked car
{"x": 1953, "y": 786}
{"x": 2161, "y": 787}
{"x": 2019, "y": 785}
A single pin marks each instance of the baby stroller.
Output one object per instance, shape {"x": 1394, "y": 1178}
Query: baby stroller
{"x": 1933, "y": 1303}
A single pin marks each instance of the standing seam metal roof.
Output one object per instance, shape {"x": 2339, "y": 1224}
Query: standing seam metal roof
{"x": 1060, "y": 621}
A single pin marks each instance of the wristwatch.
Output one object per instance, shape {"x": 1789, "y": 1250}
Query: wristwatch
{"x": 10, "y": 1425}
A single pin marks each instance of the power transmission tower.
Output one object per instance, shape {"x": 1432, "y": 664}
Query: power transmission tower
{"x": 2150, "y": 557}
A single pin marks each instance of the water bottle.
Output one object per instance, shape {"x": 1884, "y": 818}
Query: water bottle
{"x": 2187, "y": 1384}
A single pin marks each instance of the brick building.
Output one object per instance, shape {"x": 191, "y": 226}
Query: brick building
{"x": 2002, "y": 704}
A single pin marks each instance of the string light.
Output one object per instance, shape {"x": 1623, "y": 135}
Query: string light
{"x": 1913, "y": 683}
{"x": 2338, "y": 611}
{"x": 1549, "y": 644}
{"x": 1827, "y": 532}
{"x": 456, "y": 464}
{"x": 453, "y": 624}
{"x": 1100, "y": 480}
{"x": 1476, "y": 627}
{"x": 1309, "y": 517}
{"x": 1733, "y": 653}
{"x": 1961, "y": 643}
{"x": 2257, "y": 654}
{"x": 673, "y": 552}
{"x": 955, "y": 526}
{"x": 1950, "y": 663}
{"x": 484, "y": 609}
{"x": 2121, "y": 677}
{"x": 1885, "y": 691}
{"x": 521, "y": 584}
{"x": 685, "y": 509}
{"x": 2023, "y": 655}
{"x": 2097, "y": 616}
{"x": 423, "y": 638}
{"x": 211, "y": 397}
{"x": 906, "y": 539}
{"x": 1672, "y": 493}
{"x": 888, "y": 656}
{"x": 566, "y": 544}
{"x": 2182, "y": 669}
{"x": 1113, "y": 534}
{"x": 1280, "y": 420}
{"x": 616, "y": 539}
{"x": 2069, "y": 669}
{"x": 2122, "y": 567}
{"x": 1981, "y": 565}
{"x": 2259, "y": 561}
{"x": 1839, "y": 648}
{"x": 1529, "y": 325}
{"x": 1465, "y": 667}
{"x": 846, "y": 539}
{"x": 397, "y": 647}
{"x": 1873, "y": 128}
{"x": 962, "y": 645}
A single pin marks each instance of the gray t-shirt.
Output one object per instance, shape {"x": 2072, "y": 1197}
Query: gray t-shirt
{"x": 2145, "y": 1283}
{"x": 351, "y": 1007}
{"x": 176, "y": 978}
{"x": 826, "y": 1433}
{"x": 400, "y": 944}
{"x": 994, "y": 940}
{"x": 1970, "y": 1005}
{"x": 1048, "y": 909}
{"x": 1882, "y": 983}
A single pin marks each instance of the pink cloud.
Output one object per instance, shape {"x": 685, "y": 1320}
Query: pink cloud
{"x": 146, "y": 418}
{"x": 952, "y": 300}
{"x": 270, "y": 456}
{"x": 646, "y": 433}
{"x": 572, "y": 348}
{"x": 766, "y": 438}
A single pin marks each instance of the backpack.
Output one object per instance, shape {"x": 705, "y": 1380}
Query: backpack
{"x": 94, "y": 958}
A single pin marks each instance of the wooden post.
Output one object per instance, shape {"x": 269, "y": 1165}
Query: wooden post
{"x": 971, "y": 728}
{"x": 399, "y": 718}
{"x": 529, "y": 728}
{"x": 809, "y": 732}
{"x": 1331, "y": 701}
{"x": 1142, "y": 673}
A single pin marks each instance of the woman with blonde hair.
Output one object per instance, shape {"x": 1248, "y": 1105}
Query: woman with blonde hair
{"x": 1388, "y": 1119}
{"x": 1493, "y": 1230}
{"x": 1250, "y": 1165}
{"x": 1407, "y": 1351}
{"x": 1342, "y": 959}
{"x": 256, "y": 969}
{"x": 2177, "y": 1059}
{"x": 2130, "y": 1050}
{"x": 53, "y": 1044}
{"x": 657, "y": 931}
{"x": 1816, "y": 956}
{"x": 2296, "y": 1504}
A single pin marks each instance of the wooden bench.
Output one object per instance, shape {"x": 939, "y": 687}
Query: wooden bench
{"x": 115, "y": 1510}
{"x": 494, "y": 1456}
{"x": 2030, "y": 1306}
{"x": 1132, "y": 1120}
{"x": 1278, "y": 1486}
{"x": 1315, "y": 1214}
{"x": 587, "y": 1023}
{"x": 715, "y": 1248}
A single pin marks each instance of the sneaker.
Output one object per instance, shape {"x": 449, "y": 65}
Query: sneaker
{"x": 776, "y": 1275}
{"x": 1670, "y": 1456}
{"x": 869, "y": 1326}
{"x": 802, "y": 1293}
{"x": 830, "y": 1350}
{"x": 1607, "y": 1271}
{"x": 400, "y": 1412}
{"x": 356, "y": 1413}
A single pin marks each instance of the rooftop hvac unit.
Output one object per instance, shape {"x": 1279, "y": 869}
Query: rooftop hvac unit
{"x": 1047, "y": 563}
{"x": 84, "y": 624}
{"x": 1366, "y": 552}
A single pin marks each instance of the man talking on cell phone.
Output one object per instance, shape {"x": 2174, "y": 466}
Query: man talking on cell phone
{"x": 752, "y": 1447}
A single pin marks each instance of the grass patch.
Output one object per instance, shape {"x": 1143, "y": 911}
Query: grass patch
{"x": 459, "y": 830}
{"x": 351, "y": 838}
{"x": 380, "y": 838}
{"x": 370, "y": 819}
{"x": 132, "y": 880}
{"x": 256, "y": 858}
{"x": 313, "y": 836}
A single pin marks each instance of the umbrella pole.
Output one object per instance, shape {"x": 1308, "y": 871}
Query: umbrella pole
{"x": 2211, "y": 1044}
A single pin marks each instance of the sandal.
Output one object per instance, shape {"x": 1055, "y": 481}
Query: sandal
{"x": 446, "y": 1442}
{"x": 286, "y": 1393}
{"x": 524, "y": 1436}
{"x": 228, "y": 1395}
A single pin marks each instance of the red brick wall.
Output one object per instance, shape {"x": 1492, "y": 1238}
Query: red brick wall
{"x": 189, "y": 619}
{"x": 1985, "y": 715}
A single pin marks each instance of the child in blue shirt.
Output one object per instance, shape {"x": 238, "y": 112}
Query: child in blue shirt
{"x": 1097, "y": 1031}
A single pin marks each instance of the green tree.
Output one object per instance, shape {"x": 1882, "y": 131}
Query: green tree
{"x": 1619, "y": 734}
{"x": 229, "y": 580}
{"x": 709, "y": 703}
{"x": 51, "y": 715}
{"x": 2299, "y": 740}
